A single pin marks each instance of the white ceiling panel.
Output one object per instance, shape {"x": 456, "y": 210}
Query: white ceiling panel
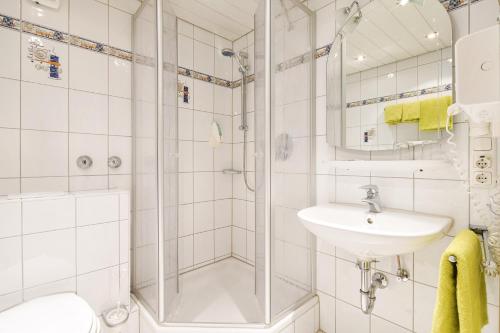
{"x": 389, "y": 33}
{"x": 230, "y": 19}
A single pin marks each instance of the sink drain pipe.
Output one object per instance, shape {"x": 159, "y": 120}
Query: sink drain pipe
{"x": 369, "y": 285}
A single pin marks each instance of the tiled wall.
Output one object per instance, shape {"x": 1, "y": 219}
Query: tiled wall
{"x": 77, "y": 242}
{"x": 205, "y": 192}
{"x": 429, "y": 70}
{"x": 46, "y": 123}
{"x": 403, "y": 306}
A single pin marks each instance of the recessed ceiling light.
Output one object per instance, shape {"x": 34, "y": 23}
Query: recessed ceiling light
{"x": 449, "y": 60}
{"x": 404, "y": 2}
{"x": 390, "y": 75}
{"x": 432, "y": 35}
{"x": 361, "y": 57}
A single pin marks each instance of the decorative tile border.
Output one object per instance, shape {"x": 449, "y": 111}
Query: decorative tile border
{"x": 427, "y": 91}
{"x": 41, "y": 31}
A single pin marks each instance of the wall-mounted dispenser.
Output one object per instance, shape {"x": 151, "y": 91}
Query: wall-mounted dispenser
{"x": 477, "y": 60}
{"x": 52, "y": 4}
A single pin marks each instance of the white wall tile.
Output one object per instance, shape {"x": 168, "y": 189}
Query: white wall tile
{"x": 99, "y": 288}
{"x": 9, "y": 300}
{"x": 203, "y": 247}
{"x": 86, "y": 183}
{"x": 185, "y": 220}
{"x": 223, "y": 100}
{"x": 222, "y": 242}
{"x": 443, "y": 197}
{"x": 204, "y": 100}
{"x": 347, "y": 281}
{"x": 427, "y": 262}
{"x": 41, "y": 215}
{"x": 94, "y": 146}
{"x": 10, "y": 94}
{"x": 10, "y": 147}
{"x": 184, "y": 28}
{"x": 10, "y": 61}
{"x": 185, "y": 252}
{"x": 48, "y": 257}
{"x": 325, "y": 273}
{"x": 44, "y": 184}
{"x": 120, "y": 78}
{"x": 379, "y": 325}
{"x": 97, "y": 209}
{"x": 350, "y": 319}
{"x": 305, "y": 323}
{"x": 39, "y": 14}
{"x": 10, "y": 265}
{"x": 89, "y": 70}
{"x": 185, "y": 51}
{"x": 203, "y": 156}
{"x": 122, "y": 147}
{"x": 222, "y": 213}
{"x": 10, "y": 211}
{"x": 203, "y": 216}
{"x": 120, "y": 116}
{"x": 11, "y": 8}
{"x": 425, "y": 297}
{"x": 44, "y": 107}
{"x": 88, "y": 112}
{"x": 82, "y": 12}
{"x": 203, "y": 58}
{"x": 204, "y": 36}
{"x": 44, "y": 154}
{"x": 97, "y": 247}
{"x": 65, "y": 285}
{"x": 120, "y": 29}
{"x": 239, "y": 242}
{"x": 204, "y": 185}
{"x": 395, "y": 303}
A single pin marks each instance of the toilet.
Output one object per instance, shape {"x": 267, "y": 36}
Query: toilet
{"x": 59, "y": 313}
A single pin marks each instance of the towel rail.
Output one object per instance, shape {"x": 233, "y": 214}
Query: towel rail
{"x": 483, "y": 232}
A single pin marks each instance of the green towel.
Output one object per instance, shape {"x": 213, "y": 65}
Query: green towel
{"x": 433, "y": 113}
{"x": 393, "y": 114}
{"x": 461, "y": 297}
{"x": 411, "y": 111}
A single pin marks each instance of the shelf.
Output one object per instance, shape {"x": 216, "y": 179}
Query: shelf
{"x": 409, "y": 165}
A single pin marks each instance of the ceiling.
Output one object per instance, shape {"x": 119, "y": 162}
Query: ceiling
{"x": 230, "y": 19}
{"x": 389, "y": 33}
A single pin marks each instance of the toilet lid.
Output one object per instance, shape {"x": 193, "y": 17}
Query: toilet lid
{"x": 60, "y": 313}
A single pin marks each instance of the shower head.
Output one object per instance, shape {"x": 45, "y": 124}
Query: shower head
{"x": 239, "y": 58}
{"x": 227, "y": 52}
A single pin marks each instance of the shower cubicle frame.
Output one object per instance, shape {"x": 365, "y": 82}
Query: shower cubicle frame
{"x": 268, "y": 319}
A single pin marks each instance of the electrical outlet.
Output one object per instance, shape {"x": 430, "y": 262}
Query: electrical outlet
{"x": 482, "y": 178}
{"x": 482, "y": 160}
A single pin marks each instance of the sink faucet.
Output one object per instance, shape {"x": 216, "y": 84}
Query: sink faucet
{"x": 372, "y": 198}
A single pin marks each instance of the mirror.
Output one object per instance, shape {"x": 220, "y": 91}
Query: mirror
{"x": 389, "y": 75}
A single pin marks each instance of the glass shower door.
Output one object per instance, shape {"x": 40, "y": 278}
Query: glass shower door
{"x": 155, "y": 277}
{"x": 285, "y": 146}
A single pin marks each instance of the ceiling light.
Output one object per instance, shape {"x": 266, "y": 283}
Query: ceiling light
{"x": 415, "y": 2}
{"x": 449, "y": 60}
{"x": 432, "y": 35}
{"x": 390, "y": 75}
{"x": 361, "y": 57}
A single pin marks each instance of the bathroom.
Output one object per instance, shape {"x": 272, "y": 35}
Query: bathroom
{"x": 162, "y": 162}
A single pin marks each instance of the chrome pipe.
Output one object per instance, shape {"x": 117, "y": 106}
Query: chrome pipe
{"x": 369, "y": 286}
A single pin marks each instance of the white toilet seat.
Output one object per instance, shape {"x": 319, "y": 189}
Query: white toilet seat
{"x": 60, "y": 313}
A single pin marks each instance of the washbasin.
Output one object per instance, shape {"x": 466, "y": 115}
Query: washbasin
{"x": 369, "y": 236}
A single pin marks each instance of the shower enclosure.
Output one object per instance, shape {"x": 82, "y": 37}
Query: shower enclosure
{"x": 180, "y": 274}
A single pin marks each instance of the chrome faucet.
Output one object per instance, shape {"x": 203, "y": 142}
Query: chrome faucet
{"x": 372, "y": 198}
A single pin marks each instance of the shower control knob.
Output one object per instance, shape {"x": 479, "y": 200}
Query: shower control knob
{"x": 84, "y": 162}
{"x": 114, "y": 162}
